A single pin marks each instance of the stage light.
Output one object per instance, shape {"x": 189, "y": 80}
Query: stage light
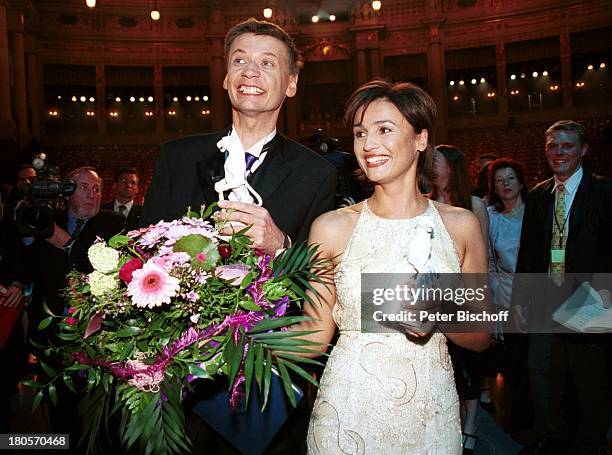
{"x": 92, "y": 99}
{"x": 118, "y": 99}
{"x": 544, "y": 73}
{"x": 267, "y": 13}
{"x": 155, "y": 15}
{"x": 455, "y": 98}
{"x": 473, "y": 81}
{"x": 150, "y": 99}
{"x": 197, "y": 98}
{"x": 523, "y": 76}
{"x": 188, "y": 98}
{"x": 513, "y": 77}
{"x": 332, "y": 17}
{"x": 602, "y": 65}
{"x": 461, "y": 82}
{"x": 90, "y": 3}
{"x": 590, "y": 67}
{"x": 482, "y": 80}
{"x": 175, "y": 99}
{"x": 83, "y": 99}
{"x": 74, "y": 98}
{"x": 534, "y": 74}
{"x": 451, "y": 83}
{"x": 59, "y": 97}
{"x": 376, "y": 5}
{"x": 132, "y": 99}
{"x": 315, "y": 19}
{"x": 205, "y": 98}
{"x": 141, "y": 99}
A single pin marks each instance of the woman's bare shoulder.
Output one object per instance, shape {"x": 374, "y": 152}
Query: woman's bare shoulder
{"x": 459, "y": 222}
{"x": 333, "y": 229}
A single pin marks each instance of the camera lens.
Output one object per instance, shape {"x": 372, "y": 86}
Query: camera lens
{"x": 38, "y": 217}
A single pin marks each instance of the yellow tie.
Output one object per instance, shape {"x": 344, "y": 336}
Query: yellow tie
{"x": 557, "y": 269}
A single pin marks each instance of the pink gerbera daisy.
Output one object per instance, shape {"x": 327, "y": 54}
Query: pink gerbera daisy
{"x": 152, "y": 286}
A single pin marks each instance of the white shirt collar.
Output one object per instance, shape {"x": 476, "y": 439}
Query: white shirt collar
{"x": 571, "y": 184}
{"x": 128, "y": 206}
{"x": 256, "y": 148}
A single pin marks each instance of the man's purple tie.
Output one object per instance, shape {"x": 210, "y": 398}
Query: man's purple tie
{"x": 250, "y": 159}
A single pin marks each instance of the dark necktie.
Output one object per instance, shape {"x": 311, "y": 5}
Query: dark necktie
{"x": 122, "y": 209}
{"x": 250, "y": 159}
{"x": 78, "y": 228}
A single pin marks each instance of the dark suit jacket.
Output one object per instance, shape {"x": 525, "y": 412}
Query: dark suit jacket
{"x": 49, "y": 265}
{"x": 588, "y": 248}
{"x": 296, "y": 184}
{"x": 133, "y": 218}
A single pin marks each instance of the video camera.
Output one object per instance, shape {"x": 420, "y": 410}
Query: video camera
{"x": 35, "y": 217}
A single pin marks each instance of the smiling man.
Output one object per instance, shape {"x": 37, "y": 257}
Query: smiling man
{"x": 566, "y": 229}
{"x": 288, "y": 185}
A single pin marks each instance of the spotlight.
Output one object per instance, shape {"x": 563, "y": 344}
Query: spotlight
{"x": 150, "y": 99}
{"x": 315, "y": 19}
{"x": 118, "y": 99}
{"x": 590, "y": 67}
{"x": 267, "y": 13}
{"x": 461, "y": 82}
{"x": 90, "y": 3}
{"x": 452, "y": 83}
{"x": 602, "y": 65}
{"x": 155, "y": 15}
{"x": 513, "y": 77}
{"x": 534, "y": 74}
{"x": 188, "y": 98}
{"x": 132, "y": 99}
{"x": 544, "y": 73}
{"x": 376, "y": 5}
{"x": 473, "y": 81}
{"x": 205, "y": 98}
{"x": 332, "y": 17}
{"x": 175, "y": 99}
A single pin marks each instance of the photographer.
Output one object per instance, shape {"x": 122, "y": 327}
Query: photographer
{"x": 74, "y": 231}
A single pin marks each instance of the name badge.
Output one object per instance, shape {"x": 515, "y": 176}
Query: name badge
{"x": 557, "y": 256}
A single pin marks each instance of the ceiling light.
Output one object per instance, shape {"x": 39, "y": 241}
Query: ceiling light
{"x": 267, "y": 13}
{"x": 482, "y": 80}
{"x": 315, "y": 19}
{"x": 523, "y": 76}
{"x": 590, "y": 67}
{"x": 534, "y": 74}
{"x": 205, "y": 98}
{"x": 188, "y": 98}
{"x": 452, "y": 83}
{"x": 461, "y": 82}
{"x": 602, "y": 65}
{"x": 544, "y": 73}
{"x": 332, "y": 17}
{"x": 376, "y": 5}
{"x": 473, "y": 81}
{"x": 118, "y": 99}
{"x": 513, "y": 77}
{"x": 83, "y": 99}
{"x": 150, "y": 99}
{"x": 175, "y": 99}
{"x": 90, "y": 3}
{"x": 132, "y": 99}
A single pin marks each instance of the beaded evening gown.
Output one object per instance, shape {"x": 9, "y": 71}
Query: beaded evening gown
{"x": 383, "y": 393}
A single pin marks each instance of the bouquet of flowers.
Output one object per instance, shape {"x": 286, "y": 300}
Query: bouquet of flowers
{"x": 166, "y": 305}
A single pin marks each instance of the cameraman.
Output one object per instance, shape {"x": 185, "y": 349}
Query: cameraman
{"x": 74, "y": 231}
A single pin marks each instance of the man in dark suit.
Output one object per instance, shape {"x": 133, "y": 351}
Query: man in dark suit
{"x": 126, "y": 189}
{"x": 566, "y": 230}
{"x": 295, "y": 184}
{"x": 75, "y": 230}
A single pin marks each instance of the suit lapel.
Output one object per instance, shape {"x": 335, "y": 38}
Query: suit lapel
{"x": 273, "y": 171}
{"x": 578, "y": 211}
{"x": 548, "y": 210}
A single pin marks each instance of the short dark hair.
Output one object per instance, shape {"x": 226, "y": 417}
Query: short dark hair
{"x": 125, "y": 170}
{"x": 415, "y": 104}
{"x": 568, "y": 125}
{"x": 493, "y": 167}
{"x": 257, "y": 27}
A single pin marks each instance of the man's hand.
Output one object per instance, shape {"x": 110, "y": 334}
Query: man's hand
{"x": 264, "y": 233}
{"x": 59, "y": 238}
{"x": 10, "y": 296}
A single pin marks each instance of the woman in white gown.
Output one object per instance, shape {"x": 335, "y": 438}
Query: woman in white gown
{"x": 389, "y": 392}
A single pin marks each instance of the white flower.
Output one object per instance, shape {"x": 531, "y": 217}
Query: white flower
{"x": 103, "y": 258}
{"x": 101, "y": 284}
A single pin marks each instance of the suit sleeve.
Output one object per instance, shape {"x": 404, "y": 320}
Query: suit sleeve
{"x": 157, "y": 200}
{"x": 525, "y": 261}
{"x": 323, "y": 201}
